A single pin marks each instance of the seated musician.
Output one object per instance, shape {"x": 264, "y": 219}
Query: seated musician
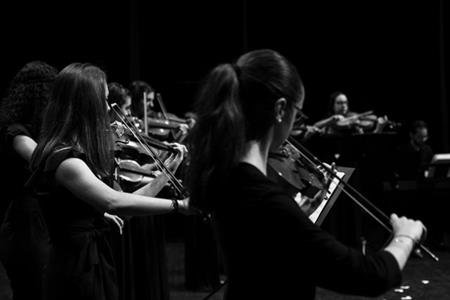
{"x": 121, "y": 96}
{"x": 132, "y": 157}
{"x": 414, "y": 156}
{"x": 342, "y": 121}
{"x": 162, "y": 125}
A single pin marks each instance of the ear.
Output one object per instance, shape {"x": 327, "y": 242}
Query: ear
{"x": 280, "y": 109}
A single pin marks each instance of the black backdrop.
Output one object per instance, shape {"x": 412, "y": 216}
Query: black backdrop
{"x": 386, "y": 55}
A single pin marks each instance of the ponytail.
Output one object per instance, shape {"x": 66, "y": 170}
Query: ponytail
{"x": 236, "y": 105}
{"x": 217, "y": 140}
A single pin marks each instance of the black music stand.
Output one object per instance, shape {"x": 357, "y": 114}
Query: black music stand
{"x": 332, "y": 199}
{"x": 440, "y": 166}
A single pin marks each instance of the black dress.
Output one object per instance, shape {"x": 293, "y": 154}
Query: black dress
{"x": 24, "y": 240}
{"x": 273, "y": 251}
{"x": 81, "y": 264}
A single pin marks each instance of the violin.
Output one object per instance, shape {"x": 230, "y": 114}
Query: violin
{"x": 163, "y": 124}
{"x": 134, "y": 167}
{"x": 128, "y": 138}
{"x": 294, "y": 173}
{"x": 364, "y": 120}
{"x": 367, "y": 206}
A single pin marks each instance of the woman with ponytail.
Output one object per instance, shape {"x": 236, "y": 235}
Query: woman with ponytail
{"x": 271, "y": 248}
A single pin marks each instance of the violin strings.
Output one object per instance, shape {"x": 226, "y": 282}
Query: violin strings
{"x": 345, "y": 184}
{"x": 352, "y": 197}
{"x": 178, "y": 186}
{"x": 152, "y": 154}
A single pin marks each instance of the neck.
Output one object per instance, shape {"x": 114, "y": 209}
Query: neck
{"x": 256, "y": 154}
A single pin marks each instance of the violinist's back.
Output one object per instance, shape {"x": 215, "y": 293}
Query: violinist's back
{"x": 271, "y": 249}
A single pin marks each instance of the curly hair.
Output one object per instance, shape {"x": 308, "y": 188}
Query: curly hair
{"x": 28, "y": 94}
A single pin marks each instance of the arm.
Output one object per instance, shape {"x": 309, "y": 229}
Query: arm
{"x": 324, "y": 122}
{"x": 328, "y": 121}
{"x": 333, "y": 265}
{"x": 153, "y": 187}
{"x": 75, "y": 175}
{"x": 24, "y": 146}
{"x": 172, "y": 163}
{"x": 406, "y": 233}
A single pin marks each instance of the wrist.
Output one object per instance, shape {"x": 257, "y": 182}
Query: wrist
{"x": 404, "y": 238}
{"x": 175, "y": 206}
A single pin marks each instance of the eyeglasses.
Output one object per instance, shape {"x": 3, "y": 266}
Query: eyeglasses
{"x": 300, "y": 116}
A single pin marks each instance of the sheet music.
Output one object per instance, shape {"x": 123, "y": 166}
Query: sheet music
{"x": 334, "y": 183}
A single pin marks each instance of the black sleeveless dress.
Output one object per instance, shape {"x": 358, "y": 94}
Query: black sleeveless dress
{"x": 24, "y": 240}
{"x": 81, "y": 264}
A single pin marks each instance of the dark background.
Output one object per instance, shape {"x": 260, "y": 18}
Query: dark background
{"x": 388, "y": 56}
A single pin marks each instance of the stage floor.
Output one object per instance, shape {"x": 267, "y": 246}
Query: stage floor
{"x": 425, "y": 278}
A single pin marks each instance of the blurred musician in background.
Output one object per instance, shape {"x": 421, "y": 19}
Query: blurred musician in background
{"x": 414, "y": 156}
{"x": 121, "y": 96}
{"x": 160, "y": 124}
{"x": 342, "y": 121}
{"x": 140, "y": 91}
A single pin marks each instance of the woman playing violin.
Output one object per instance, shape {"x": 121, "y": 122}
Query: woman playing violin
{"x": 132, "y": 158}
{"x": 71, "y": 167}
{"x": 343, "y": 121}
{"x": 271, "y": 249}
{"x": 136, "y": 167}
{"x": 162, "y": 125}
{"x": 121, "y": 96}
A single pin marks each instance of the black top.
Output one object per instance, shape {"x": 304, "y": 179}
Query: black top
{"x": 81, "y": 264}
{"x": 24, "y": 241}
{"x": 272, "y": 250}
{"x": 14, "y": 168}
{"x": 411, "y": 162}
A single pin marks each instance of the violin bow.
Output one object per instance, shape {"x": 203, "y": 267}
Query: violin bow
{"x": 316, "y": 162}
{"x": 176, "y": 183}
{"x": 161, "y": 105}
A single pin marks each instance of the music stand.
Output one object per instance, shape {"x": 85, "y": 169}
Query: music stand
{"x": 318, "y": 216}
{"x": 439, "y": 166}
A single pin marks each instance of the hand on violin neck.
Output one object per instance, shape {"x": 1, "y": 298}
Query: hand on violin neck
{"x": 178, "y": 147}
{"x": 184, "y": 128}
{"x": 173, "y": 161}
{"x": 307, "y": 204}
{"x": 329, "y": 172}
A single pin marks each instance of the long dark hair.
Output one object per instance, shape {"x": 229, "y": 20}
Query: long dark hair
{"x": 236, "y": 105}
{"x": 77, "y": 116}
{"x": 332, "y": 100}
{"x": 117, "y": 93}
{"x": 27, "y": 96}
